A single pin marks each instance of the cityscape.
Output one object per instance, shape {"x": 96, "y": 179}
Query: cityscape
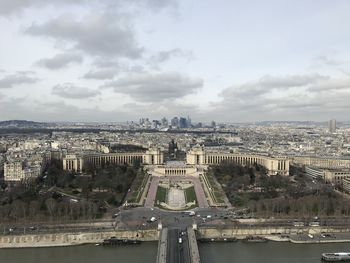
{"x": 173, "y": 182}
{"x": 174, "y": 131}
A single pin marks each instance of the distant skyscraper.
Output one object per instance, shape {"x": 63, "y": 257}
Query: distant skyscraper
{"x": 164, "y": 122}
{"x": 332, "y": 126}
{"x": 182, "y": 123}
{"x": 189, "y": 122}
{"x": 175, "y": 122}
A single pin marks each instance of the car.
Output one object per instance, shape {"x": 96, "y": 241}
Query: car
{"x": 180, "y": 240}
{"x": 315, "y": 223}
{"x": 190, "y": 213}
{"x": 299, "y": 224}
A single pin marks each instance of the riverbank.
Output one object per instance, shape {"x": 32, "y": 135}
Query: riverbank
{"x": 306, "y": 235}
{"x": 71, "y": 239}
{"x": 293, "y": 235}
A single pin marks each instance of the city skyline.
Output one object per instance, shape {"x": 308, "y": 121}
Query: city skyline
{"x": 109, "y": 61}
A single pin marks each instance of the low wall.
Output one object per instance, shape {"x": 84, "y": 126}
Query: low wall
{"x": 69, "y": 239}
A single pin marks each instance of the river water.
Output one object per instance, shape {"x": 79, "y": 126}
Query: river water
{"x": 270, "y": 252}
{"x": 143, "y": 253}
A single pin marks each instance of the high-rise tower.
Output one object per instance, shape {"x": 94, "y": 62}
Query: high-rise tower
{"x": 332, "y": 126}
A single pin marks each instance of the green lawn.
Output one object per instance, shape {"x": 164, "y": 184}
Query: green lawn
{"x": 190, "y": 195}
{"x": 137, "y": 187}
{"x": 215, "y": 192}
{"x": 161, "y": 194}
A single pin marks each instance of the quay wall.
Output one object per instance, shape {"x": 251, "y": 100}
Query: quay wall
{"x": 79, "y": 238}
{"x": 212, "y": 232}
{"x": 70, "y": 239}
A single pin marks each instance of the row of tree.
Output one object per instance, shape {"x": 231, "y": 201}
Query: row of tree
{"x": 62, "y": 195}
{"x": 249, "y": 186}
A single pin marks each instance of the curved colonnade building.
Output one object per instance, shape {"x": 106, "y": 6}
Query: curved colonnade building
{"x": 196, "y": 156}
{"x": 322, "y": 162}
{"x": 333, "y": 170}
{"x": 273, "y": 165}
{"x": 77, "y": 163}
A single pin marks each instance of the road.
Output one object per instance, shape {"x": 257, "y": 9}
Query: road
{"x": 139, "y": 218}
{"x": 178, "y": 252}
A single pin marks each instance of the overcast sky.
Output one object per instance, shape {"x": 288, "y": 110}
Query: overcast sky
{"x": 227, "y": 60}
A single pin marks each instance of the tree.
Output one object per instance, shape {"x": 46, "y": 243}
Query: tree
{"x": 51, "y": 206}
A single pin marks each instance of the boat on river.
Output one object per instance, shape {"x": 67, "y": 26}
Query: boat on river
{"x": 335, "y": 257}
{"x": 220, "y": 239}
{"x": 116, "y": 241}
{"x": 255, "y": 239}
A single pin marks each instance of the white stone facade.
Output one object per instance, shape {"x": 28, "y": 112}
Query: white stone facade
{"x": 274, "y": 165}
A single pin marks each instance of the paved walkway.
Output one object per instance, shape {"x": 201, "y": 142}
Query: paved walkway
{"x": 176, "y": 197}
{"x": 152, "y": 192}
{"x": 201, "y": 198}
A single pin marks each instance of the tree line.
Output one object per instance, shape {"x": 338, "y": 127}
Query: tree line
{"x": 63, "y": 196}
{"x": 279, "y": 196}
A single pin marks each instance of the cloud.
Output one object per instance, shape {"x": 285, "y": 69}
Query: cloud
{"x": 69, "y": 91}
{"x": 20, "y": 78}
{"x": 328, "y": 60}
{"x": 166, "y": 55}
{"x": 107, "y": 35}
{"x": 10, "y": 7}
{"x": 37, "y": 110}
{"x": 60, "y": 61}
{"x": 267, "y": 84}
{"x": 293, "y": 97}
{"x": 155, "y": 87}
{"x": 108, "y": 69}
{"x": 101, "y": 74}
{"x": 331, "y": 85}
{"x": 156, "y": 4}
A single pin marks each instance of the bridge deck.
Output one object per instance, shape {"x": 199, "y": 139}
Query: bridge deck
{"x": 178, "y": 246}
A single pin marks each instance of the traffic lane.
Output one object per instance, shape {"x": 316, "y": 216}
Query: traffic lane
{"x": 172, "y": 247}
{"x": 178, "y": 247}
{"x": 186, "y": 247}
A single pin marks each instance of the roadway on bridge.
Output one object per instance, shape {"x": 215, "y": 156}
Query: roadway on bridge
{"x": 178, "y": 251}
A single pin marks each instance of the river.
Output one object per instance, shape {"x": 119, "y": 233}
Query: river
{"x": 270, "y": 252}
{"x": 144, "y": 253}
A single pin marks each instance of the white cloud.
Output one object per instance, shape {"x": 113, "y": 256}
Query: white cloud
{"x": 20, "y": 78}
{"x": 101, "y": 74}
{"x": 70, "y": 91}
{"x": 60, "y": 61}
{"x": 107, "y": 35}
{"x": 155, "y": 87}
